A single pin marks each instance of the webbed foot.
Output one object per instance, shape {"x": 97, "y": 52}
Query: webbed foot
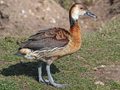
{"x": 59, "y": 85}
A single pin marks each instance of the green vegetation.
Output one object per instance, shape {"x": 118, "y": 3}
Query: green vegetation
{"x": 68, "y": 3}
{"x": 99, "y": 48}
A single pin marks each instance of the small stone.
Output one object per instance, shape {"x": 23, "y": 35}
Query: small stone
{"x": 117, "y": 44}
{"x": 47, "y": 8}
{"x": 102, "y": 66}
{"x": 99, "y": 82}
{"x": 53, "y": 20}
{"x": 32, "y": 14}
{"x": 23, "y": 11}
{"x": 95, "y": 69}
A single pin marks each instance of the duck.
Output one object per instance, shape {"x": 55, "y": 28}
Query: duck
{"x": 51, "y": 44}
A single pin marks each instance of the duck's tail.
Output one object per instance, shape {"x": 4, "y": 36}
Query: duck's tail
{"x": 22, "y": 52}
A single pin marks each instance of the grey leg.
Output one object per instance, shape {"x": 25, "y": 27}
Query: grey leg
{"x": 40, "y": 74}
{"x": 51, "y": 79}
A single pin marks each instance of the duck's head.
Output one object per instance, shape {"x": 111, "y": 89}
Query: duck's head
{"x": 77, "y": 10}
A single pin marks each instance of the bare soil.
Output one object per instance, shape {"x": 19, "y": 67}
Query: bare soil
{"x": 19, "y": 17}
{"x": 108, "y": 73}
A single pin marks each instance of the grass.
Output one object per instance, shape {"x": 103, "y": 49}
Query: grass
{"x": 99, "y": 48}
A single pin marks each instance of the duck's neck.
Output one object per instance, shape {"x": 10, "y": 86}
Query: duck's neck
{"x": 74, "y": 25}
{"x": 72, "y": 21}
{"x": 73, "y": 17}
{"x": 75, "y": 29}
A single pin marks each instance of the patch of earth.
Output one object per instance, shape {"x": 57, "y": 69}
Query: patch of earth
{"x": 2, "y": 62}
{"x": 107, "y": 73}
{"x": 20, "y": 18}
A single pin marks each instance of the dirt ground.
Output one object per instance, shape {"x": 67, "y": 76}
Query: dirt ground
{"x": 23, "y": 18}
{"x": 107, "y": 73}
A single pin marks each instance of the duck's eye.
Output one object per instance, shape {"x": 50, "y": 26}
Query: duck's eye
{"x": 81, "y": 7}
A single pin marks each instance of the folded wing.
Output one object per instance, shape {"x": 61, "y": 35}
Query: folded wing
{"x": 49, "y": 38}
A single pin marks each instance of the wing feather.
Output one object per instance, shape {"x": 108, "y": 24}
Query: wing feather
{"x": 49, "y": 38}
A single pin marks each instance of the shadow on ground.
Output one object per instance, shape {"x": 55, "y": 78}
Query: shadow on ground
{"x": 28, "y": 69}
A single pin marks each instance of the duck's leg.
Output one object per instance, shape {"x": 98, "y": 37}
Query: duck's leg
{"x": 51, "y": 79}
{"x": 40, "y": 73}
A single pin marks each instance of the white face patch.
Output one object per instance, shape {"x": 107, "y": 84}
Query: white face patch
{"x": 75, "y": 15}
{"x": 83, "y": 13}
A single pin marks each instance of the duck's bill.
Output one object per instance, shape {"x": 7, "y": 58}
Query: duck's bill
{"x": 88, "y": 13}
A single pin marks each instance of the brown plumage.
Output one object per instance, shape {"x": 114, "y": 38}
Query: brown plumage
{"x": 50, "y": 38}
{"x": 50, "y": 44}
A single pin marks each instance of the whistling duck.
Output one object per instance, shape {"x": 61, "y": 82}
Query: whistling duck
{"x": 51, "y": 44}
